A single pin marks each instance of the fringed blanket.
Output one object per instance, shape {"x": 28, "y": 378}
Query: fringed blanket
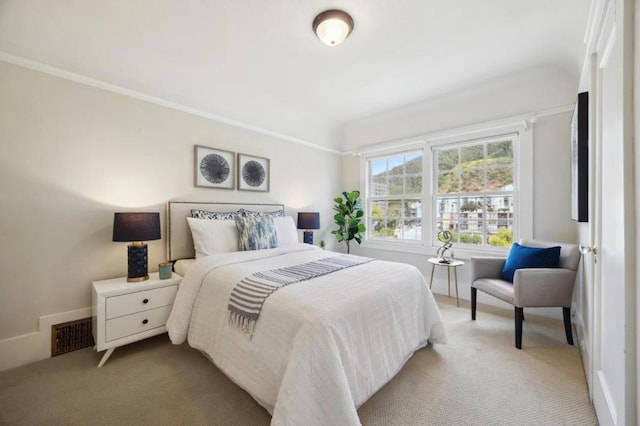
{"x": 248, "y": 296}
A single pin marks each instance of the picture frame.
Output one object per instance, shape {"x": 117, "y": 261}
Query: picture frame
{"x": 580, "y": 159}
{"x": 253, "y": 173}
{"x": 214, "y": 168}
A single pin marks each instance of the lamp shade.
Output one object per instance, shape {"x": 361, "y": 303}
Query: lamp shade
{"x": 308, "y": 220}
{"x": 129, "y": 227}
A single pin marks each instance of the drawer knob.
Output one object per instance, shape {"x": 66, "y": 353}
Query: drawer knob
{"x": 145, "y": 301}
{"x": 144, "y": 321}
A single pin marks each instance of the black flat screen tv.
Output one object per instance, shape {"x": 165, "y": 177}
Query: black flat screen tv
{"x": 580, "y": 159}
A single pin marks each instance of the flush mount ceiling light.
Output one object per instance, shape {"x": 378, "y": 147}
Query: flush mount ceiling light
{"x": 333, "y": 26}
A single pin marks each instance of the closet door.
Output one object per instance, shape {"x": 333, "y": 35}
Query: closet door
{"x": 613, "y": 222}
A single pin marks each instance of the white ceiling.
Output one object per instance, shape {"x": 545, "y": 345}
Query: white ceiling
{"x": 257, "y": 61}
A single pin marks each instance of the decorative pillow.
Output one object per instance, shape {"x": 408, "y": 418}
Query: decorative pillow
{"x": 529, "y": 257}
{"x": 256, "y": 233}
{"x": 286, "y": 231}
{"x": 251, "y": 213}
{"x": 204, "y": 214}
{"x": 213, "y": 236}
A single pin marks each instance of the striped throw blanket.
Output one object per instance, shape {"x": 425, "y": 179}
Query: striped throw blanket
{"x": 248, "y": 296}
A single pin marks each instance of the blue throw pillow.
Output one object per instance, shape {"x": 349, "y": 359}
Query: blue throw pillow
{"x": 529, "y": 257}
{"x": 256, "y": 233}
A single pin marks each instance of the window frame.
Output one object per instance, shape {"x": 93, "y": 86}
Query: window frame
{"x": 369, "y": 199}
{"x": 523, "y": 175}
{"x": 514, "y": 139}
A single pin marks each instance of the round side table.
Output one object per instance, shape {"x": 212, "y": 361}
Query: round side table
{"x": 434, "y": 261}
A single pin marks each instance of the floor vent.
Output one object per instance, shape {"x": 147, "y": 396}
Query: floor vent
{"x": 70, "y": 336}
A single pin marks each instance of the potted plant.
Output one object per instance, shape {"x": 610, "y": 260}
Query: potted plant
{"x": 348, "y": 218}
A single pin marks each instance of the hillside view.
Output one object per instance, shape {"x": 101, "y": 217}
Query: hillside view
{"x": 469, "y": 177}
{"x": 460, "y": 170}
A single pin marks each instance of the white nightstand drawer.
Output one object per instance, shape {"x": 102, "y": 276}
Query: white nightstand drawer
{"x": 124, "y": 313}
{"x": 136, "y": 323}
{"x": 126, "y": 304}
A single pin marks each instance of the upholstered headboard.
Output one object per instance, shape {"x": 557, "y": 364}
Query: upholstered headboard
{"x": 179, "y": 241}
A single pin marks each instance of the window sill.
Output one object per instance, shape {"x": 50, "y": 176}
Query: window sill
{"x": 419, "y": 248}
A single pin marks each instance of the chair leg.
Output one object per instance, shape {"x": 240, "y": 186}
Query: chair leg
{"x": 474, "y": 294}
{"x": 518, "y": 320}
{"x": 566, "y": 314}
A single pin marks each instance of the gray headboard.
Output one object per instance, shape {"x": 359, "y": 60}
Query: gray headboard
{"x": 179, "y": 241}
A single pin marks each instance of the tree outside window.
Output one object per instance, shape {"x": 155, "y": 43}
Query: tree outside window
{"x": 474, "y": 194}
{"x": 395, "y": 196}
{"x": 470, "y": 190}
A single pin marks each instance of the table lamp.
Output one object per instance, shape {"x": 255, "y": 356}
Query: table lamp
{"x": 308, "y": 221}
{"x": 136, "y": 228}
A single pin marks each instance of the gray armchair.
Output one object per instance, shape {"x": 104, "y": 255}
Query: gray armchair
{"x": 531, "y": 287}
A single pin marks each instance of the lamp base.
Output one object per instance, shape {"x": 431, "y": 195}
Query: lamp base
{"x": 307, "y": 237}
{"x": 137, "y": 279}
{"x": 138, "y": 263}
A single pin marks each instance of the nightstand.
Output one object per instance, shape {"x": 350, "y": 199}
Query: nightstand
{"x": 453, "y": 263}
{"x": 125, "y": 312}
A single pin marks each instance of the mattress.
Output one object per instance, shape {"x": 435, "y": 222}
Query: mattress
{"x": 320, "y": 347}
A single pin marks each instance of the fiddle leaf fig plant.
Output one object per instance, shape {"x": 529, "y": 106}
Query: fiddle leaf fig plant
{"x": 348, "y": 218}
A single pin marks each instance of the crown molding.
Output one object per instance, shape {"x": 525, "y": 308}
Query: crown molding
{"x": 78, "y": 78}
{"x": 522, "y": 120}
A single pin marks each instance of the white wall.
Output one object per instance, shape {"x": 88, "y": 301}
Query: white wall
{"x": 512, "y": 96}
{"x": 552, "y": 180}
{"x": 71, "y": 155}
{"x": 525, "y": 92}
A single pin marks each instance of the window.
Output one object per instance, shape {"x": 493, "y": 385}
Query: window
{"x": 394, "y": 199}
{"x": 475, "y": 182}
{"x": 474, "y": 192}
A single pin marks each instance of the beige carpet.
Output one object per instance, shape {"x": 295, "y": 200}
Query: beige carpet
{"x": 478, "y": 378}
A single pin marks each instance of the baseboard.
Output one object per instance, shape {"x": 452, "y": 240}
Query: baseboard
{"x": 582, "y": 340}
{"x": 27, "y": 348}
{"x": 603, "y": 402}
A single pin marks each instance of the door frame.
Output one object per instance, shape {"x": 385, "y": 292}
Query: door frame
{"x": 611, "y": 25}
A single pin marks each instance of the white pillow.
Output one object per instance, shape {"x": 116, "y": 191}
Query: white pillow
{"x": 286, "y": 231}
{"x": 213, "y": 236}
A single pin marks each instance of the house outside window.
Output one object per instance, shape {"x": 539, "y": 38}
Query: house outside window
{"x": 395, "y": 196}
{"x": 469, "y": 186}
{"x": 474, "y": 191}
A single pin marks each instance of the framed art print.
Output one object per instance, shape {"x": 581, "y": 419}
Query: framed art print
{"x": 214, "y": 168}
{"x": 253, "y": 173}
{"x": 580, "y": 159}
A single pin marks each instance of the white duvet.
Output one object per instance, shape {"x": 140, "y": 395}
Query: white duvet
{"x": 321, "y": 347}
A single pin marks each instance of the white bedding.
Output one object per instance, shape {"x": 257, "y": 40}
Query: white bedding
{"x": 182, "y": 266}
{"x": 321, "y": 347}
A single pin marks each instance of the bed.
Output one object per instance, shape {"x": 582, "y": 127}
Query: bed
{"x": 321, "y": 346}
